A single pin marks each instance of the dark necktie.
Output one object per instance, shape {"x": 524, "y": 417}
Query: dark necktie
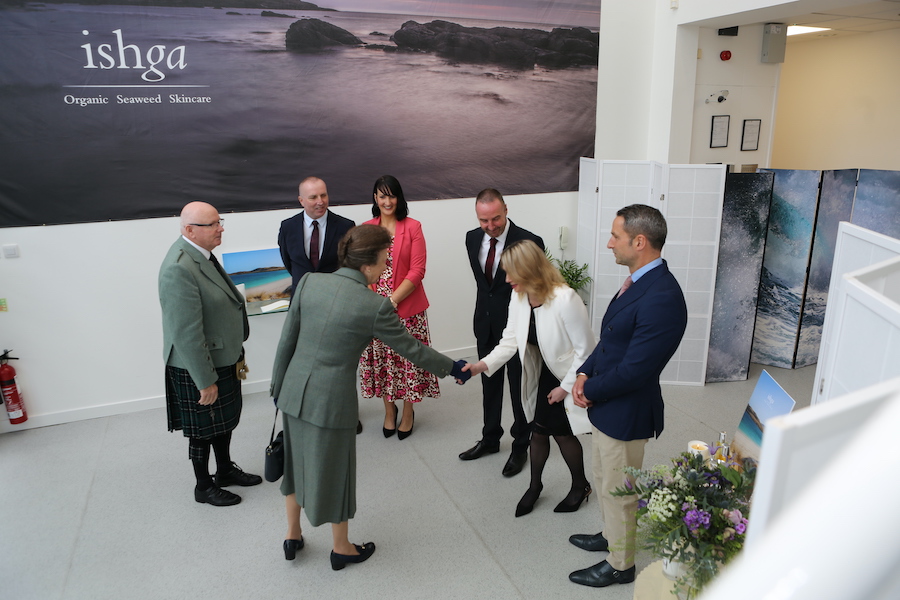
{"x": 314, "y": 246}
{"x": 625, "y": 286}
{"x": 215, "y": 262}
{"x": 489, "y": 262}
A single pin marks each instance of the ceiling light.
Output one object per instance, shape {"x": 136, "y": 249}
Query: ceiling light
{"x": 799, "y": 29}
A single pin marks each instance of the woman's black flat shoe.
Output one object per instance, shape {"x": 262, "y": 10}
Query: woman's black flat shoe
{"x": 572, "y": 506}
{"x": 291, "y": 547}
{"x": 339, "y": 561}
{"x": 389, "y": 432}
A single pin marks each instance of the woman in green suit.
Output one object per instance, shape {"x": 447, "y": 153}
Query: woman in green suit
{"x": 331, "y": 320}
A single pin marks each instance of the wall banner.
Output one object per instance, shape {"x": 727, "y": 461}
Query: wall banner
{"x": 117, "y": 112}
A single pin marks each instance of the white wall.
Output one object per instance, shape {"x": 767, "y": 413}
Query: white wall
{"x": 837, "y": 105}
{"x": 648, "y": 50}
{"x": 84, "y": 313}
{"x": 752, "y": 87}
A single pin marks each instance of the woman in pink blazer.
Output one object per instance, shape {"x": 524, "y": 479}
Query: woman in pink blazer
{"x": 383, "y": 372}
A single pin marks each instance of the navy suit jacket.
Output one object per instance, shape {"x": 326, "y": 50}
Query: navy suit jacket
{"x": 492, "y": 301}
{"x": 640, "y": 333}
{"x": 290, "y": 241}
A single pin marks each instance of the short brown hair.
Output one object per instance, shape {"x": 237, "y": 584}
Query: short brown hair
{"x": 641, "y": 219}
{"x": 361, "y": 246}
{"x": 529, "y": 267}
{"x": 488, "y": 195}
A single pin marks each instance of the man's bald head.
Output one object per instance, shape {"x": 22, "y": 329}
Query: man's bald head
{"x": 201, "y": 224}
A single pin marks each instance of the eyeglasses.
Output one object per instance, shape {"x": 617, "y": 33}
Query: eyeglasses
{"x": 220, "y": 223}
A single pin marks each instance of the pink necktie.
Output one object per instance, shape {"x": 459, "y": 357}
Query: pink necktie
{"x": 489, "y": 262}
{"x": 314, "y": 246}
{"x": 625, "y": 286}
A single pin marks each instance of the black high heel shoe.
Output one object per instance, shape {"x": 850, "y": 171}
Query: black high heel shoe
{"x": 339, "y": 561}
{"x": 389, "y": 432}
{"x": 402, "y": 435}
{"x": 568, "y": 505}
{"x": 291, "y": 547}
{"x": 526, "y": 504}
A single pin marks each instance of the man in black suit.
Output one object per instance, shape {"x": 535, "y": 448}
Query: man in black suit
{"x": 309, "y": 241}
{"x": 484, "y": 246}
{"x": 316, "y": 222}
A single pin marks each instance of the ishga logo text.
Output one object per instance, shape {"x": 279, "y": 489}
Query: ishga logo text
{"x": 129, "y": 57}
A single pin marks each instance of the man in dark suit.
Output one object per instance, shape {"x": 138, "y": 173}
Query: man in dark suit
{"x": 309, "y": 241}
{"x": 316, "y": 222}
{"x": 204, "y": 328}
{"x": 619, "y": 383}
{"x": 484, "y": 246}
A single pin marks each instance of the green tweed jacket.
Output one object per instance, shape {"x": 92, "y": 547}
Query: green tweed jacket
{"x": 204, "y": 316}
{"x": 331, "y": 320}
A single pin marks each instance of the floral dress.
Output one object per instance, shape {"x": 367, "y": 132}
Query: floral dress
{"x": 385, "y": 374}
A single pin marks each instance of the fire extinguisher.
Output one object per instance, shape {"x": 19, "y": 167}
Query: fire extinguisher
{"x": 15, "y": 407}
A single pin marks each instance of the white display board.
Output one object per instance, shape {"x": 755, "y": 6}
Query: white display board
{"x": 859, "y": 334}
{"x": 822, "y": 523}
{"x": 690, "y": 197}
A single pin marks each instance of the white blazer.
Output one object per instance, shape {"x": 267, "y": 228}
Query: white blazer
{"x": 564, "y": 338}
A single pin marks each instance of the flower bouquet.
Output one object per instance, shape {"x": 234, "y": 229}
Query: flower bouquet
{"x": 694, "y": 512}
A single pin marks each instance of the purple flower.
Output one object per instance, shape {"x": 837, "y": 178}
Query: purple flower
{"x": 628, "y": 485}
{"x": 741, "y": 527}
{"x": 695, "y": 519}
{"x": 642, "y": 503}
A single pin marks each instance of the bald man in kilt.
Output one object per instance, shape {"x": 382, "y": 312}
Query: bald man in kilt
{"x": 204, "y": 327}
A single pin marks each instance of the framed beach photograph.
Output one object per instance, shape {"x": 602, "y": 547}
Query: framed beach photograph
{"x": 262, "y": 274}
{"x": 768, "y": 400}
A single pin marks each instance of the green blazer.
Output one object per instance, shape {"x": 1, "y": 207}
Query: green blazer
{"x": 332, "y": 319}
{"x": 204, "y": 316}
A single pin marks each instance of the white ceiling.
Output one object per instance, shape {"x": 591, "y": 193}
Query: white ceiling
{"x": 853, "y": 20}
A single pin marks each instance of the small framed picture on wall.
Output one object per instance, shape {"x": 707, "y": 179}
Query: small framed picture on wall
{"x": 750, "y": 136}
{"x": 718, "y": 136}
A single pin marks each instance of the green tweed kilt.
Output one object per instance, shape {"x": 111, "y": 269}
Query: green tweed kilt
{"x": 320, "y": 467}
{"x": 202, "y": 422}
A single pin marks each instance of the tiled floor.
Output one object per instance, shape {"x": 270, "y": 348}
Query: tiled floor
{"x": 104, "y": 509}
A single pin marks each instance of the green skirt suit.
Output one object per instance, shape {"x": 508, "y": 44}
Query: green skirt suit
{"x": 332, "y": 318}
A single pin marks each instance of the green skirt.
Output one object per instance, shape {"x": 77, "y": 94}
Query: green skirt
{"x": 320, "y": 468}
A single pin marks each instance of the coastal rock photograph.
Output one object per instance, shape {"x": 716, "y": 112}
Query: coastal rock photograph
{"x": 145, "y": 106}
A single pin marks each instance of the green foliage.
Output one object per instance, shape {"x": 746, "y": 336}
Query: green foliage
{"x": 575, "y": 275}
{"x": 694, "y": 512}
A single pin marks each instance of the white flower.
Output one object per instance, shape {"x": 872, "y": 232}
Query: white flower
{"x": 661, "y": 505}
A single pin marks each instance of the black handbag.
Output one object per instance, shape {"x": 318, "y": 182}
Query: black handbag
{"x": 275, "y": 454}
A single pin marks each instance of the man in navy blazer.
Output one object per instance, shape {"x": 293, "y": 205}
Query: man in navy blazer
{"x": 295, "y": 233}
{"x": 619, "y": 383}
{"x": 491, "y": 310}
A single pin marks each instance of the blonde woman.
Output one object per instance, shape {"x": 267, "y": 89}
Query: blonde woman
{"x": 549, "y": 328}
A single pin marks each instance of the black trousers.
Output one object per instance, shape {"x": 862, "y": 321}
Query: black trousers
{"x": 492, "y": 389}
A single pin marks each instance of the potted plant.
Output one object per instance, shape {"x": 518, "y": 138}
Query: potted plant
{"x": 575, "y": 275}
{"x": 694, "y": 513}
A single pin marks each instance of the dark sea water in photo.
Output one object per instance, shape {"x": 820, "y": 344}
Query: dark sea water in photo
{"x": 348, "y": 115}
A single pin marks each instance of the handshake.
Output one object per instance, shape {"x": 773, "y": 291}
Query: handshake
{"x": 463, "y": 371}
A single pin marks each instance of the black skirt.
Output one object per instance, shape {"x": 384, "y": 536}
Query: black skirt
{"x": 549, "y": 419}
